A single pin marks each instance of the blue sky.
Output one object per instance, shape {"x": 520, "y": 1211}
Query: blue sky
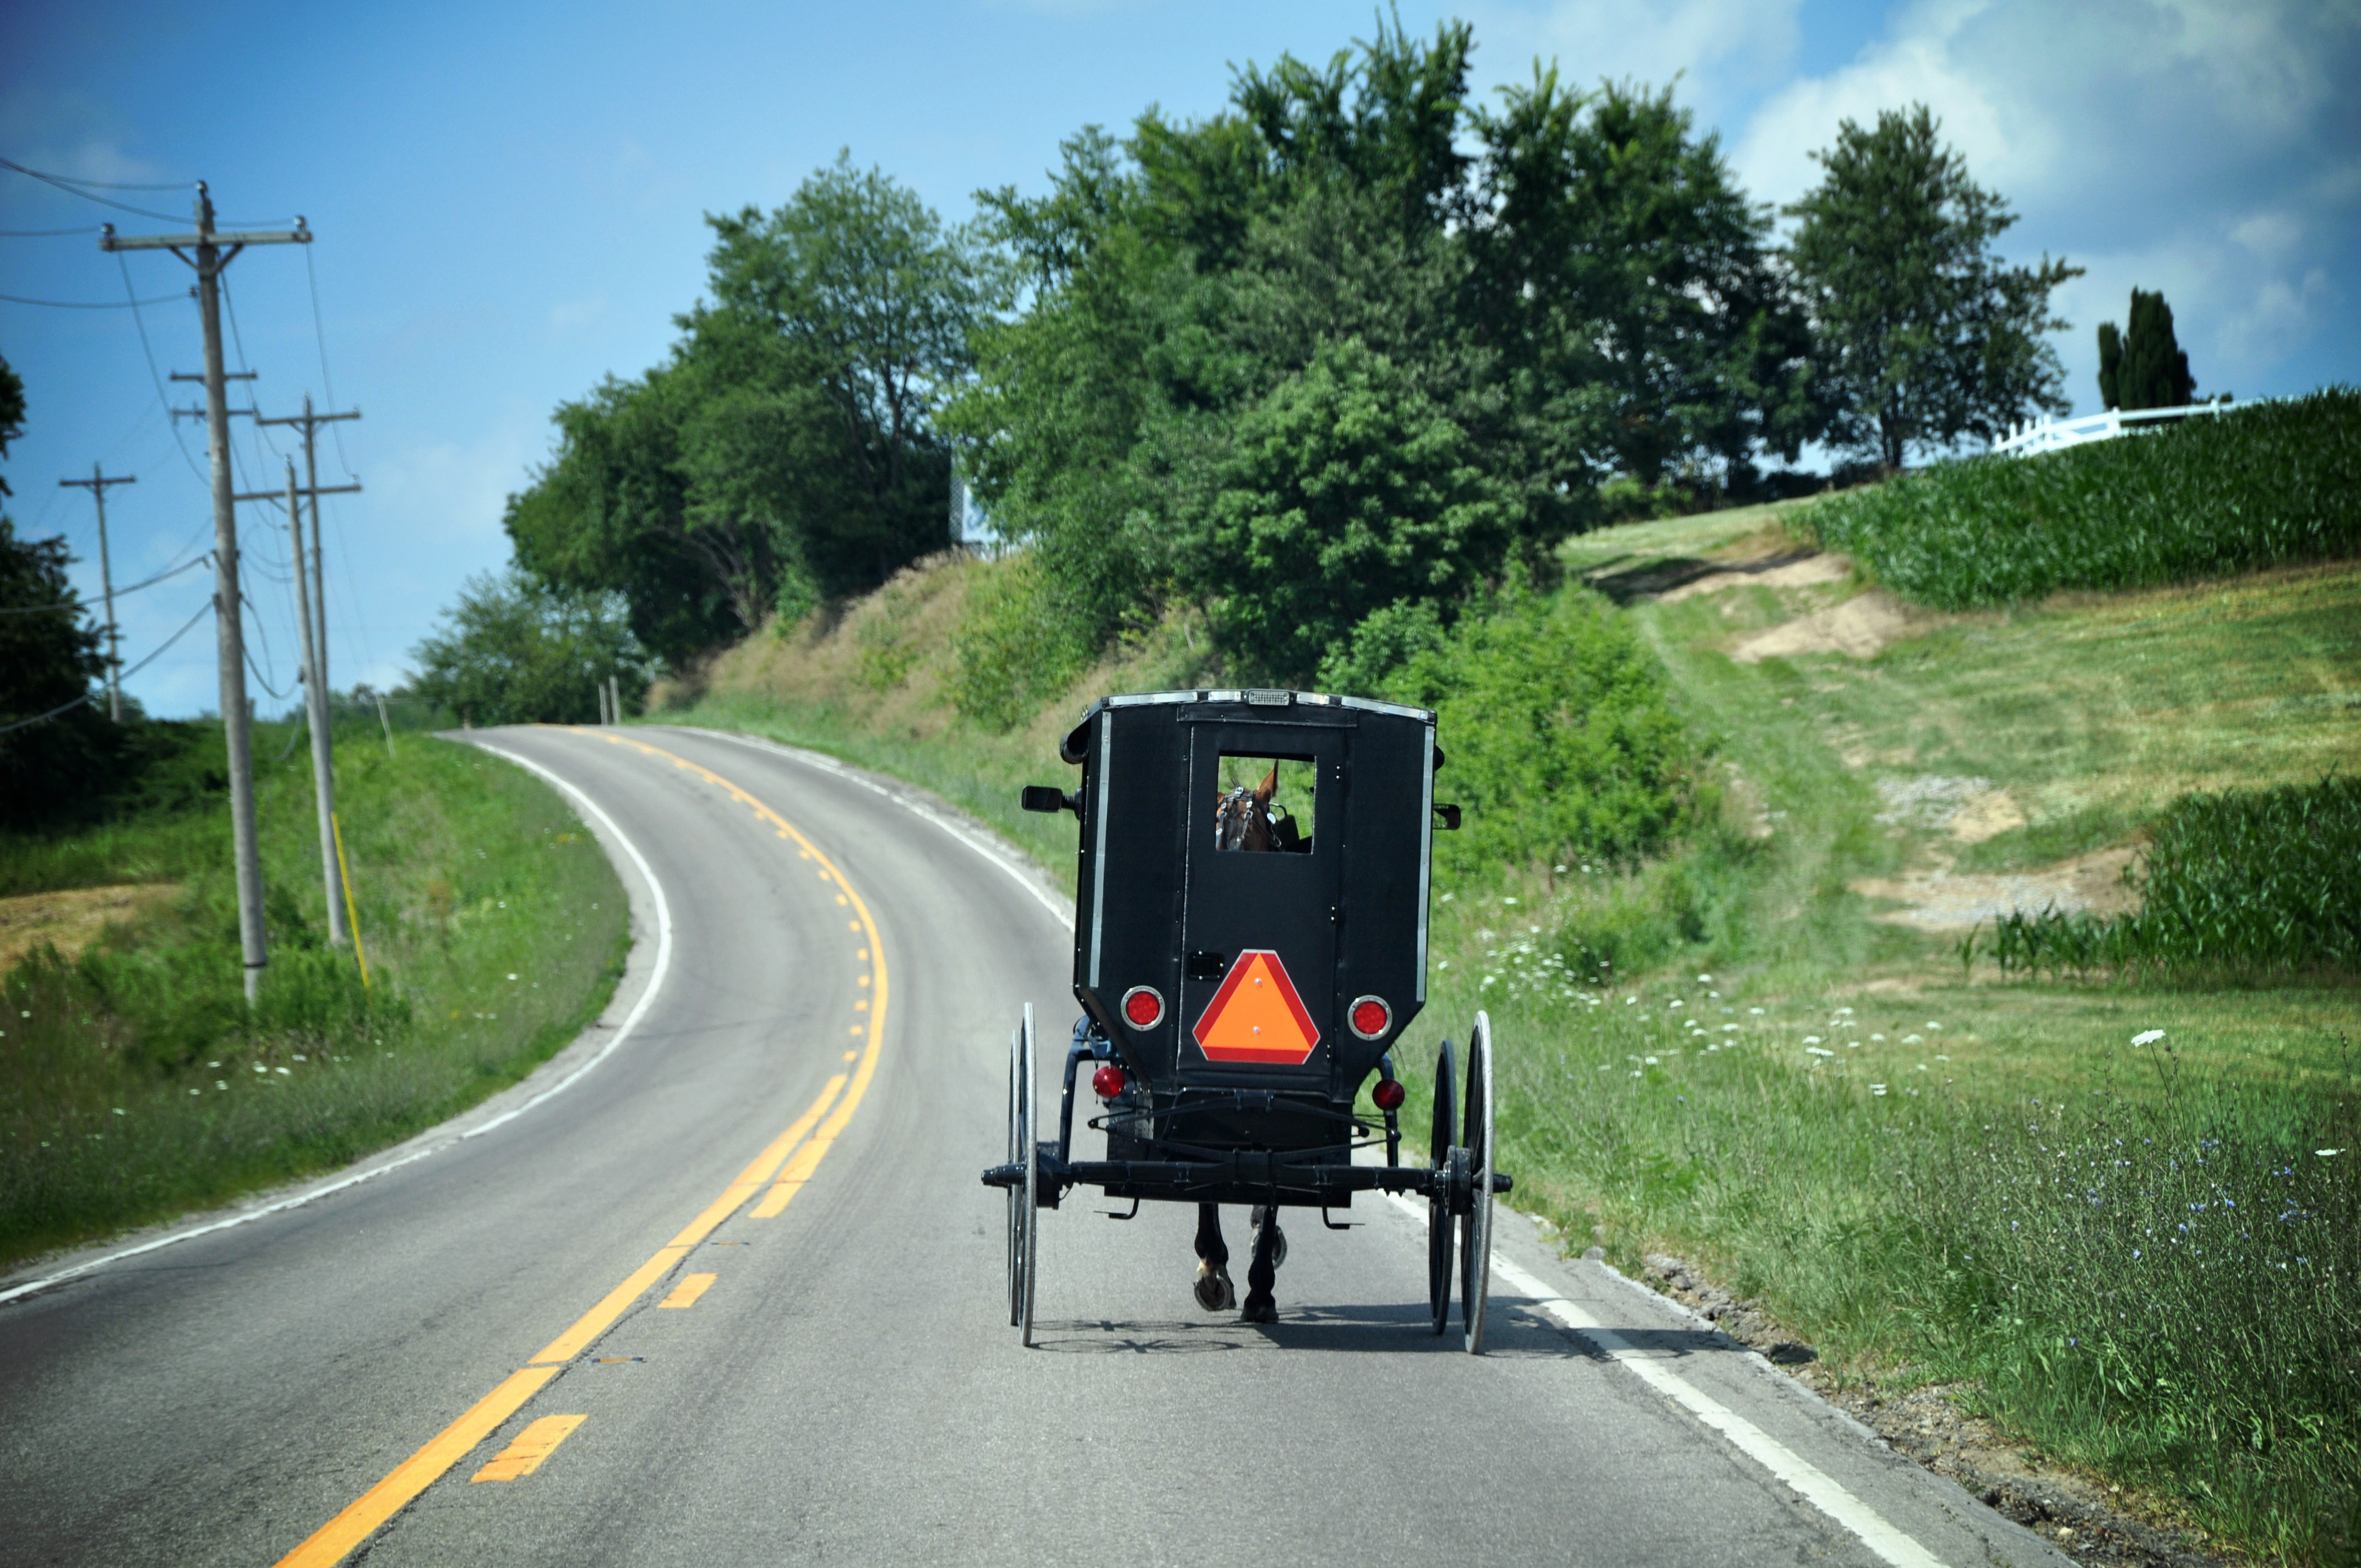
{"x": 508, "y": 203}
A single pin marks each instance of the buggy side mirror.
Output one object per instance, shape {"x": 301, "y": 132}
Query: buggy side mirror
{"x": 1450, "y": 815}
{"x": 1050, "y": 798}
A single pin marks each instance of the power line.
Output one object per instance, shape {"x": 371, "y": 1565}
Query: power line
{"x": 327, "y": 382}
{"x": 134, "y": 670}
{"x": 154, "y": 375}
{"x": 71, "y": 180}
{"x": 46, "y": 234}
{"x": 92, "y": 305}
{"x": 84, "y": 604}
{"x": 104, "y": 201}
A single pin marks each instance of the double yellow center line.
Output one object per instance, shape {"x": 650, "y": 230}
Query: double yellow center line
{"x": 334, "y": 1540}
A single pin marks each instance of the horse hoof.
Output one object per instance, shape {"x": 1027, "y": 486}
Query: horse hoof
{"x": 1259, "y": 1310}
{"x": 1215, "y": 1292}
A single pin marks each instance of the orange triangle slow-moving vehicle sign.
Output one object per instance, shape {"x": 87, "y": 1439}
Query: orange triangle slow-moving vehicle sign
{"x": 1256, "y": 1016}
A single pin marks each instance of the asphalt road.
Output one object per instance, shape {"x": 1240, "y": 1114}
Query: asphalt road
{"x": 808, "y": 1079}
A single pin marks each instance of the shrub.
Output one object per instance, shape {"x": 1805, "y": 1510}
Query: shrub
{"x": 1561, "y": 738}
{"x": 1016, "y": 647}
{"x": 2269, "y": 485}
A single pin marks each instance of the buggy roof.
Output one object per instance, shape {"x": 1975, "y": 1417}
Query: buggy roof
{"x": 1075, "y": 744}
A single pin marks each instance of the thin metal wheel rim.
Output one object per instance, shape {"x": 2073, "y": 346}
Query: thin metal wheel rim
{"x": 1439, "y": 1223}
{"x": 1031, "y": 1157}
{"x": 1476, "y": 1286}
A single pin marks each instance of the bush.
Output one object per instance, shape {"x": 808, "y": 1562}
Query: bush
{"x": 2245, "y": 884}
{"x": 1561, "y": 736}
{"x": 1016, "y": 647}
{"x": 2270, "y": 485}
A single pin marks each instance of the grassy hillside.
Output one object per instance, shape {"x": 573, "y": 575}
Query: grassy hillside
{"x": 134, "y": 1083}
{"x": 1760, "y": 1050}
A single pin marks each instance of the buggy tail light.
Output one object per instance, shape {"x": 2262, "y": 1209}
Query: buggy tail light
{"x": 1107, "y": 1082}
{"x": 1143, "y": 1006}
{"x": 1388, "y": 1094}
{"x": 1370, "y": 1017}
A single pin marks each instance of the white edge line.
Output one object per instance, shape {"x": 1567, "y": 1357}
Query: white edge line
{"x": 1815, "y": 1485}
{"x": 981, "y": 844}
{"x": 313, "y": 1194}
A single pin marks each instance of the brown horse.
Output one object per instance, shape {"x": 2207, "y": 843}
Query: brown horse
{"x": 1242, "y": 821}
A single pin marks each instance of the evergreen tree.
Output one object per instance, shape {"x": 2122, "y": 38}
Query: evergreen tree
{"x": 2151, "y": 371}
{"x": 2111, "y": 360}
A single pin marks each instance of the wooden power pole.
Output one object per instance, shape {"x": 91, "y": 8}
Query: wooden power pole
{"x": 96, "y": 484}
{"x": 312, "y": 424}
{"x": 209, "y": 251}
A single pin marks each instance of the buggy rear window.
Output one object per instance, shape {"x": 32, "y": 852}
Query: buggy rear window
{"x": 1263, "y": 803}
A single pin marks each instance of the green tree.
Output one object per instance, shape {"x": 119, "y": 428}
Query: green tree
{"x": 1924, "y": 333}
{"x": 785, "y": 450}
{"x": 2145, "y": 367}
{"x": 1629, "y": 283}
{"x": 1344, "y": 491}
{"x": 49, "y": 657}
{"x": 517, "y": 650}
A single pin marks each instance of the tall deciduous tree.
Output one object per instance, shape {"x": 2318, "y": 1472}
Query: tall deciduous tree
{"x": 1925, "y": 335}
{"x": 1627, "y": 276}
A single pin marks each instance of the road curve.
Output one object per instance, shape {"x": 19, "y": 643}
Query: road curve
{"x": 735, "y": 1295}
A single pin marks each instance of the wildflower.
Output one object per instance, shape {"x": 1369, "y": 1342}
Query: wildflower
{"x": 1729, "y": 1028}
{"x": 219, "y": 1084}
{"x": 1676, "y": 1002}
{"x": 1651, "y": 1061}
{"x": 1559, "y": 871}
{"x": 1845, "y": 1010}
{"x": 1446, "y": 899}
{"x": 1931, "y": 1025}
{"x": 2147, "y": 1037}
{"x": 195, "y": 1091}
{"x": 1756, "y": 1011}
{"x": 2325, "y": 1153}
{"x": 299, "y": 1056}
{"x": 1510, "y": 902}
{"x": 511, "y": 977}
{"x": 1629, "y": 1000}
{"x": 1940, "y": 1057}
{"x": 1705, "y": 979}
{"x": 1814, "y": 1040}
{"x": 260, "y": 1067}
{"x": 1877, "y": 1089}
{"x": 1913, "y": 1040}
{"x": 212, "y": 1064}
{"x": 284, "y": 1072}
{"x": 1879, "y": 1037}
{"x": 2135, "y": 1252}
{"x": 1817, "y": 1051}
{"x": 118, "y": 1110}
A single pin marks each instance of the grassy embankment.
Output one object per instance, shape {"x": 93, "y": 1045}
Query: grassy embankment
{"x": 132, "y": 1084}
{"x": 1930, "y": 1174}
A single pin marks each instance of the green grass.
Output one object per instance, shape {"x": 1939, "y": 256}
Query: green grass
{"x": 1874, "y": 1225}
{"x": 2269, "y": 485}
{"x": 133, "y": 1084}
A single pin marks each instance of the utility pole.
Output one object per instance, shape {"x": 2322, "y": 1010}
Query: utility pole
{"x": 311, "y": 423}
{"x": 96, "y": 484}
{"x": 209, "y": 258}
{"x": 324, "y": 784}
{"x": 314, "y": 644}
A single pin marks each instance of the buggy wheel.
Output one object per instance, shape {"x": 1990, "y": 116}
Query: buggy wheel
{"x": 1438, "y": 1203}
{"x": 1476, "y": 1226}
{"x": 1024, "y": 1217}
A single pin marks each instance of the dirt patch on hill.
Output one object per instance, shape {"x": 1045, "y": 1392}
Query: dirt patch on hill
{"x": 1862, "y": 626}
{"x": 72, "y": 919}
{"x": 1778, "y": 572}
{"x": 1945, "y": 899}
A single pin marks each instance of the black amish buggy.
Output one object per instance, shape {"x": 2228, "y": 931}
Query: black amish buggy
{"x": 1249, "y": 948}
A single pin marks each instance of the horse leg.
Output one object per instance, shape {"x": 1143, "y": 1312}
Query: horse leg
{"x": 1262, "y": 1274}
{"x": 1214, "y": 1291}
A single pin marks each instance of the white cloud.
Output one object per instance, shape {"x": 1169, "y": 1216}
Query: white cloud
{"x": 1718, "y": 47}
{"x": 2199, "y": 146}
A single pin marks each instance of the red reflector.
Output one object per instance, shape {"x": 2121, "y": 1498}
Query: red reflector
{"x": 1143, "y": 1006}
{"x": 1107, "y": 1081}
{"x": 1388, "y": 1094}
{"x": 1371, "y": 1017}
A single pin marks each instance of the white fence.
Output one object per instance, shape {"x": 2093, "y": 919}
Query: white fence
{"x": 2057, "y": 434}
